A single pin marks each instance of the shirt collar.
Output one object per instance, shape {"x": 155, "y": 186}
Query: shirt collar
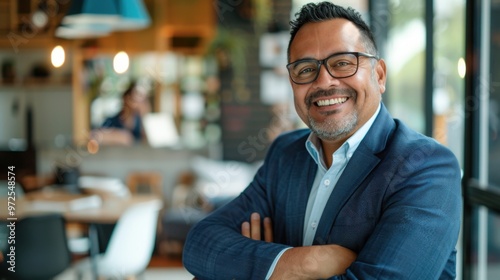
{"x": 313, "y": 143}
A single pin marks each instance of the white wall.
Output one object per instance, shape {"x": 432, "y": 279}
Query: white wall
{"x": 51, "y": 111}
{"x": 50, "y": 100}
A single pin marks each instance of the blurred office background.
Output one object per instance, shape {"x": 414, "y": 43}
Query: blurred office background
{"x": 216, "y": 93}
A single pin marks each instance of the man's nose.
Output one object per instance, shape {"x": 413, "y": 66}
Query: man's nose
{"x": 324, "y": 78}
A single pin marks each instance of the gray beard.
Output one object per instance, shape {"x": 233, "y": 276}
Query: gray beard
{"x": 330, "y": 130}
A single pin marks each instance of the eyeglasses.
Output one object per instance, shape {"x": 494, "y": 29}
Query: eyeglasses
{"x": 339, "y": 65}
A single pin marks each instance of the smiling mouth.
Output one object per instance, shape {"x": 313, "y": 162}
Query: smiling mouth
{"x": 329, "y": 102}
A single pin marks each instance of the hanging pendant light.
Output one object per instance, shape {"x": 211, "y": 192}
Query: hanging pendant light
{"x": 92, "y": 18}
{"x": 92, "y": 12}
{"x": 88, "y": 19}
{"x": 81, "y": 32}
{"x": 133, "y": 15}
{"x": 121, "y": 62}
{"x": 57, "y": 56}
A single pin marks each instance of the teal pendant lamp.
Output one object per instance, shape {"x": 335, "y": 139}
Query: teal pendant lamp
{"x": 97, "y": 18}
{"x": 133, "y": 15}
{"x": 92, "y": 12}
{"x": 75, "y": 31}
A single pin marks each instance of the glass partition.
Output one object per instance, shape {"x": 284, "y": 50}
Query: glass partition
{"x": 482, "y": 144}
{"x": 406, "y": 62}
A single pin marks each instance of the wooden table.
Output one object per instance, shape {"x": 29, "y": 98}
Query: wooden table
{"x": 99, "y": 209}
{"x": 82, "y": 208}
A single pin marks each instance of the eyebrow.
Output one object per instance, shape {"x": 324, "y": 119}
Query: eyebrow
{"x": 312, "y": 58}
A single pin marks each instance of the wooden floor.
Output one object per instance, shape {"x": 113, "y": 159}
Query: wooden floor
{"x": 160, "y": 268}
{"x": 158, "y": 261}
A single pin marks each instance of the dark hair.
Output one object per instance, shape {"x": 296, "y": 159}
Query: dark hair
{"x": 325, "y": 11}
{"x": 130, "y": 89}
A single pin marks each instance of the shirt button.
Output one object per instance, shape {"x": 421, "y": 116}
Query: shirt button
{"x": 327, "y": 182}
{"x": 313, "y": 225}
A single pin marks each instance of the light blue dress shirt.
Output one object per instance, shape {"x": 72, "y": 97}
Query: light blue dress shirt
{"x": 325, "y": 180}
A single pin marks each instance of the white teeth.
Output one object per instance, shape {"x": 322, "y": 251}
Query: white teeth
{"x": 332, "y": 101}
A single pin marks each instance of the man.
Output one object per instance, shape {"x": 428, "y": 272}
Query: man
{"x": 358, "y": 196}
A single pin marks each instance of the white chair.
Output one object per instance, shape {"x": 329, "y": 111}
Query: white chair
{"x": 130, "y": 246}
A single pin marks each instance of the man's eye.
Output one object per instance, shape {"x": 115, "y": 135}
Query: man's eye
{"x": 341, "y": 64}
{"x": 306, "y": 71}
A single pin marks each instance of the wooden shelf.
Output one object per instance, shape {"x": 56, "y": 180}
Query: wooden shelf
{"x": 38, "y": 82}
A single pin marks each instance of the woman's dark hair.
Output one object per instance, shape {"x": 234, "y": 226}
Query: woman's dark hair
{"x": 325, "y": 11}
{"x": 130, "y": 89}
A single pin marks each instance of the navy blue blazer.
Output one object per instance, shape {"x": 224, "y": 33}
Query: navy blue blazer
{"x": 397, "y": 205}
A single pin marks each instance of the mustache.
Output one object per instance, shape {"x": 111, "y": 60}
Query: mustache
{"x": 329, "y": 93}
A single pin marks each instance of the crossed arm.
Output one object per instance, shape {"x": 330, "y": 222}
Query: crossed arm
{"x": 311, "y": 262}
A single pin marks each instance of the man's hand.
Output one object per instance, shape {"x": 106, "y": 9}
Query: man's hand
{"x": 310, "y": 262}
{"x": 253, "y": 230}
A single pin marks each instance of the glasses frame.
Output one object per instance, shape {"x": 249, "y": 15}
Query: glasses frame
{"x": 323, "y": 62}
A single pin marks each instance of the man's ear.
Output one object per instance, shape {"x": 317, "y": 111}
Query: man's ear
{"x": 381, "y": 75}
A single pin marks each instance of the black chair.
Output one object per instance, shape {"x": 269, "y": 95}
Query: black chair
{"x": 41, "y": 248}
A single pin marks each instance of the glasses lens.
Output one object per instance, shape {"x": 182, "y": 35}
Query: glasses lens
{"x": 304, "y": 71}
{"x": 342, "y": 65}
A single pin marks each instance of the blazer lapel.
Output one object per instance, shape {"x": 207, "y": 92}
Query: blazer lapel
{"x": 360, "y": 165}
{"x": 302, "y": 176}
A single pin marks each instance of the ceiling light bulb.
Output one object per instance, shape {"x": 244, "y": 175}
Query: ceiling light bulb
{"x": 462, "y": 68}
{"x": 39, "y": 19}
{"x": 57, "y": 56}
{"x": 121, "y": 62}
